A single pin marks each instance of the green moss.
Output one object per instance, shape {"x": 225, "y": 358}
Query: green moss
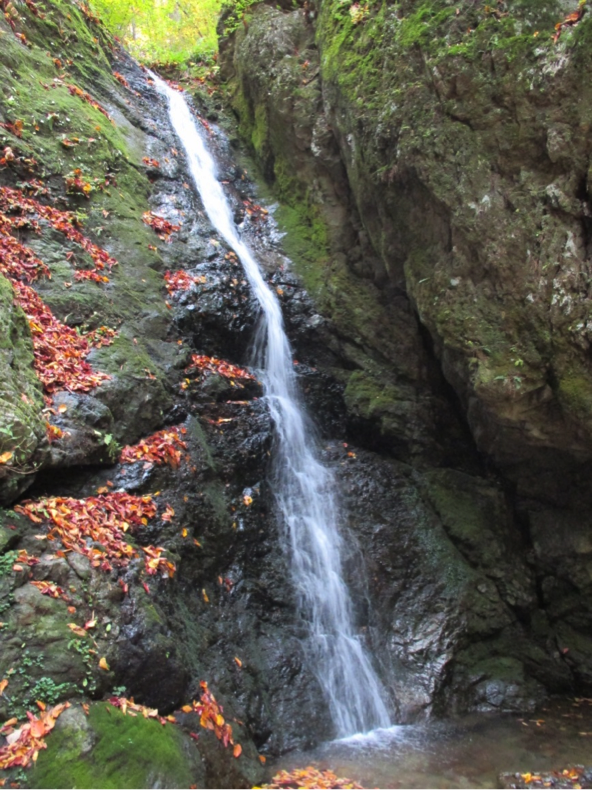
{"x": 574, "y": 394}
{"x": 128, "y": 753}
{"x": 369, "y": 396}
{"x": 126, "y": 358}
{"x": 259, "y": 135}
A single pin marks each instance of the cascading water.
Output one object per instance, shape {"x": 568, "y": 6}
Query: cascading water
{"x": 303, "y": 486}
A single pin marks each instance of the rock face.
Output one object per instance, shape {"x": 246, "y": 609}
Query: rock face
{"x": 433, "y": 164}
{"x": 467, "y": 562}
{"x": 22, "y": 430}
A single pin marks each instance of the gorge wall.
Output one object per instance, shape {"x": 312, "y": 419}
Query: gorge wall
{"x": 432, "y": 160}
{"x": 433, "y": 176}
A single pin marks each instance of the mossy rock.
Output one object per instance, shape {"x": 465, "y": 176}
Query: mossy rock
{"x": 22, "y": 428}
{"x": 110, "y": 750}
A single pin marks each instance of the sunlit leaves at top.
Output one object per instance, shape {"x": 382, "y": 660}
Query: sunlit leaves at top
{"x": 163, "y": 30}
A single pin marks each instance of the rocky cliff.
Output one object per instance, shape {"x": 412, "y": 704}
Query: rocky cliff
{"x": 432, "y": 161}
{"x": 420, "y": 184}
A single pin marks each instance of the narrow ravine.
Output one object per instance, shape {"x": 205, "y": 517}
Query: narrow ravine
{"x": 304, "y": 488}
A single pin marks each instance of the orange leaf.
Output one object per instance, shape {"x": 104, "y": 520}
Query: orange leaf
{"x": 3, "y": 684}
{"x": 238, "y": 662}
{"x": 103, "y": 664}
{"x": 237, "y": 750}
{"x": 77, "y": 629}
{"x": 261, "y": 758}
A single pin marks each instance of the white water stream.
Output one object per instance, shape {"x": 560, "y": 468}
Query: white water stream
{"x": 304, "y": 487}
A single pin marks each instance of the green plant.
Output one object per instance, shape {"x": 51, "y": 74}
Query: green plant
{"x": 7, "y": 561}
{"x": 234, "y": 12}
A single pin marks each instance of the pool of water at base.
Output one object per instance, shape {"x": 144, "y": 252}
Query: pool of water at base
{"x": 466, "y": 752}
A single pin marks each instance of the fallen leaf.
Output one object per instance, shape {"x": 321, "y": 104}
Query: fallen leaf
{"x": 103, "y": 664}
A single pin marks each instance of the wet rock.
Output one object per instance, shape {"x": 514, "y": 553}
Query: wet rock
{"x": 561, "y": 778}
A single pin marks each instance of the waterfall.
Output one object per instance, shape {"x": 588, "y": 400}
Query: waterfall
{"x": 303, "y": 486}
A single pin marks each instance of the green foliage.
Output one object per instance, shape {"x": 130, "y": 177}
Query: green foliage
{"x": 44, "y": 689}
{"x": 234, "y": 12}
{"x": 7, "y": 561}
{"x": 166, "y": 31}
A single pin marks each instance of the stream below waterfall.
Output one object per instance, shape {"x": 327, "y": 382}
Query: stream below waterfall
{"x": 467, "y": 752}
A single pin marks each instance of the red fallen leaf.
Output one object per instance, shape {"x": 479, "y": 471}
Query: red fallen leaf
{"x": 77, "y": 629}
{"x": 53, "y": 433}
{"x": 48, "y": 588}
{"x": 569, "y": 20}
{"x": 181, "y": 281}
{"x": 168, "y": 514}
{"x": 121, "y": 79}
{"x": 59, "y": 351}
{"x": 146, "y": 588}
{"x": 160, "y": 225}
{"x": 163, "y": 447}
{"x": 194, "y": 735}
{"x": 27, "y": 740}
{"x": 27, "y": 559}
{"x": 237, "y": 750}
{"x": 146, "y": 160}
{"x": 123, "y": 585}
{"x": 310, "y": 778}
{"x": 218, "y": 366}
{"x": 76, "y": 91}
{"x": 15, "y": 128}
{"x": 84, "y": 524}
